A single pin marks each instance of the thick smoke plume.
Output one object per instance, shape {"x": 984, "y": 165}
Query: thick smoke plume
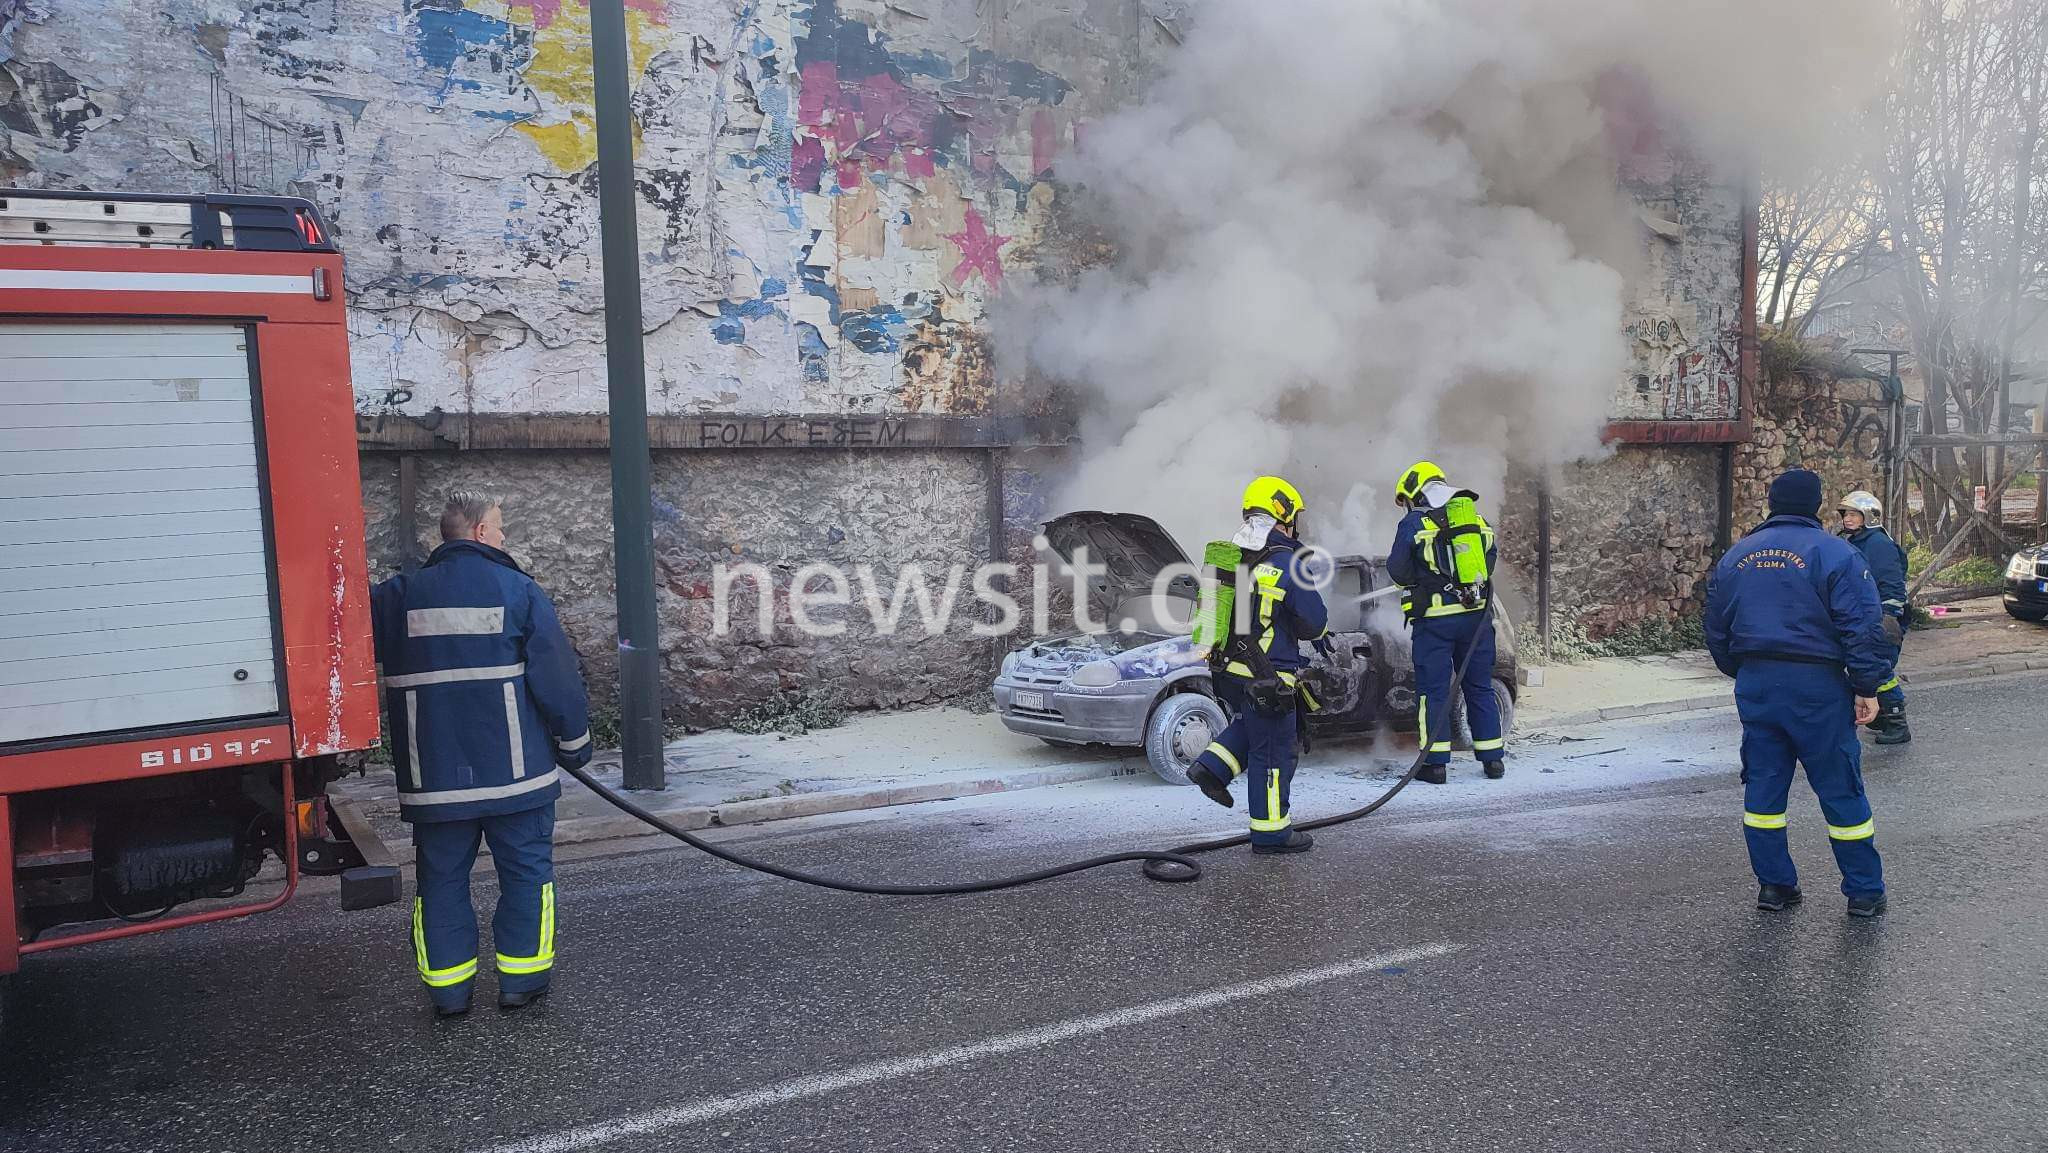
{"x": 1352, "y": 233}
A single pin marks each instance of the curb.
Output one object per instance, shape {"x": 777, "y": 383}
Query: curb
{"x": 1939, "y": 674}
{"x": 582, "y": 830}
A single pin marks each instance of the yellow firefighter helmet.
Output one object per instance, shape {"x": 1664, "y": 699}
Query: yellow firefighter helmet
{"x": 1420, "y": 473}
{"x": 1274, "y": 497}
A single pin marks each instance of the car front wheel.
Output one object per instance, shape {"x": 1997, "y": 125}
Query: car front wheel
{"x": 2031, "y": 616}
{"x": 1181, "y": 727}
{"x": 1461, "y": 725}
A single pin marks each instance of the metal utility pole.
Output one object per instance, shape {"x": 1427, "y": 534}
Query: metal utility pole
{"x": 1897, "y": 439}
{"x": 626, "y": 372}
{"x": 1543, "y": 561}
{"x": 2041, "y": 465}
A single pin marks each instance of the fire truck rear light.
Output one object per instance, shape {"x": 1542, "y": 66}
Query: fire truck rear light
{"x": 320, "y": 289}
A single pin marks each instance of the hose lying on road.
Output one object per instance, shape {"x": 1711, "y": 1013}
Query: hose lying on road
{"x": 1176, "y": 865}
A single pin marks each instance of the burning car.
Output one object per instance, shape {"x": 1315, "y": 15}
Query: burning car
{"x": 1142, "y": 682}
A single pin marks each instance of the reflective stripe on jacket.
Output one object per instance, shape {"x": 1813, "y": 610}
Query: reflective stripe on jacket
{"x": 480, "y": 687}
{"x": 1412, "y": 565}
{"x": 1286, "y": 611}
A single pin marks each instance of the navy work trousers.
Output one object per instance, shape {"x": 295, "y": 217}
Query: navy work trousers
{"x": 444, "y": 931}
{"x": 1804, "y": 713}
{"x": 1261, "y": 747}
{"x": 1439, "y": 644}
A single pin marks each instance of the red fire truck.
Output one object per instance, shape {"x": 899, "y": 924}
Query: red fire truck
{"x": 185, "y": 657}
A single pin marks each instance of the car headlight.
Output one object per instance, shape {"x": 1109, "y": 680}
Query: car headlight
{"x": 1096, "y": 675}
{"x": 2020, "y": 567}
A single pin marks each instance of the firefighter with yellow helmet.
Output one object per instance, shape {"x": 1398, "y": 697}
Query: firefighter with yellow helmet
{"x": 1444, "y": 556}
{"x": 1254, "y": 638}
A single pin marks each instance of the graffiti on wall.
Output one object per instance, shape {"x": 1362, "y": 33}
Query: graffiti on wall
{"x": 1684, "y": 339}
{"x": 1680, "y": 377}
{"x": 829, "y": 200}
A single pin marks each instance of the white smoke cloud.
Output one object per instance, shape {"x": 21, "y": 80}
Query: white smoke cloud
{"x": 1354, "y": 233}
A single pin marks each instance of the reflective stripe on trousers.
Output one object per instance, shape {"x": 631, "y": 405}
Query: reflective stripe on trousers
{"x": 1228, "y": 758}
{"x": 1268, "y": 744}
{"x": 1798, "y": 716}
{"x": 545, "y": 958}
{"x": 1423, "y": 731}
{"x": 440, "y": 978}
{"x": 522, "y": 925}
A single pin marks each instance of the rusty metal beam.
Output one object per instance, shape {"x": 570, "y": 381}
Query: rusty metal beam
{"x": 1678, "y": 431}
{"x": 445, "y": 432}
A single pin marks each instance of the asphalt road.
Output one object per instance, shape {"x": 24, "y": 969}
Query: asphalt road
{"x": 1570, "y": 963}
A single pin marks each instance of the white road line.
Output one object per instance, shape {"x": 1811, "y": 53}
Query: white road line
{"x": 820, "y": 1084}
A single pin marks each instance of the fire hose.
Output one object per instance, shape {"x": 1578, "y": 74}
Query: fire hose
{"x": 1174, "y": 866}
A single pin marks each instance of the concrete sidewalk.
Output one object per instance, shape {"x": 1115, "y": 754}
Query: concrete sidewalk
{"x": 872, "y": 761}
{"x": 882, "y": 760}
{"x": 1971, "y": 638}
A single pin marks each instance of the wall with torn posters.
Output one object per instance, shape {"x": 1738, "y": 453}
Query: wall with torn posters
{"x": 830, "y": 190}
{"x": 831, "y": 194}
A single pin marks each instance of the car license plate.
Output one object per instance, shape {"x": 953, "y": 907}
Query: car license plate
{"x": 2044, "y": 586}
{"x": 1030, "y": 701}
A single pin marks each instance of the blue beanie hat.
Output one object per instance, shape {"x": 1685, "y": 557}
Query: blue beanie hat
{"x": 1796, "y": 493}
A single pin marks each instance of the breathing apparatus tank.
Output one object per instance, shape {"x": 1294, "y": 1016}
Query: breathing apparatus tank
{"x": 1461, "y": 549}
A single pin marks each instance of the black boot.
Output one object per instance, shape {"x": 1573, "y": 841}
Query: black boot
{"x": 1218, "y": 791}
{"x": 510, "y": 1001}
{"x": 1296, "y": 842}
{"x": 1891, "y": 725}
{"x": 1867, "y": 906}
{"x": 446, "y": 1009}
{"x": 1778, "y": 898}
{"x": 1495, "y": 770}
{"x": 1431, "y": 775}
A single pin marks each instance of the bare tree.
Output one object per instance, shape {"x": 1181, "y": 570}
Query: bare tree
{"x": 1955, "y": 185}
{"x": 1813, "y": 227}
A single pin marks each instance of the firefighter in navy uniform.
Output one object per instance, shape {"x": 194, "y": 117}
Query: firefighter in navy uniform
{"x": 485, "y": 702}
{"x": 1444, "y": 555}
{"x": 1793, "y": 616}
{"x": 1861, "y": 512}
{"x": 1257, "y": 669}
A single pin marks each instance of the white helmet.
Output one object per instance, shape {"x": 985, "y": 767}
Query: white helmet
{"x": 1860, "y": 501}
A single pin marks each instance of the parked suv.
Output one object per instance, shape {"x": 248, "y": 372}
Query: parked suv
{"x": 1150, "y": 687}
{"x": 2026, "y": 584}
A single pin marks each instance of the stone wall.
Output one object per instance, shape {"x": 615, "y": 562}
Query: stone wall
{"x": 1632, "y": 538}
{"x": 1632, "y": 535}
{"x": 886, "y": 510}
{"x": 1832, "y": 425}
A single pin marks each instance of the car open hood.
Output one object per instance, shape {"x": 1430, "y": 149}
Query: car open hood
{"x": 1132, "y": 548}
